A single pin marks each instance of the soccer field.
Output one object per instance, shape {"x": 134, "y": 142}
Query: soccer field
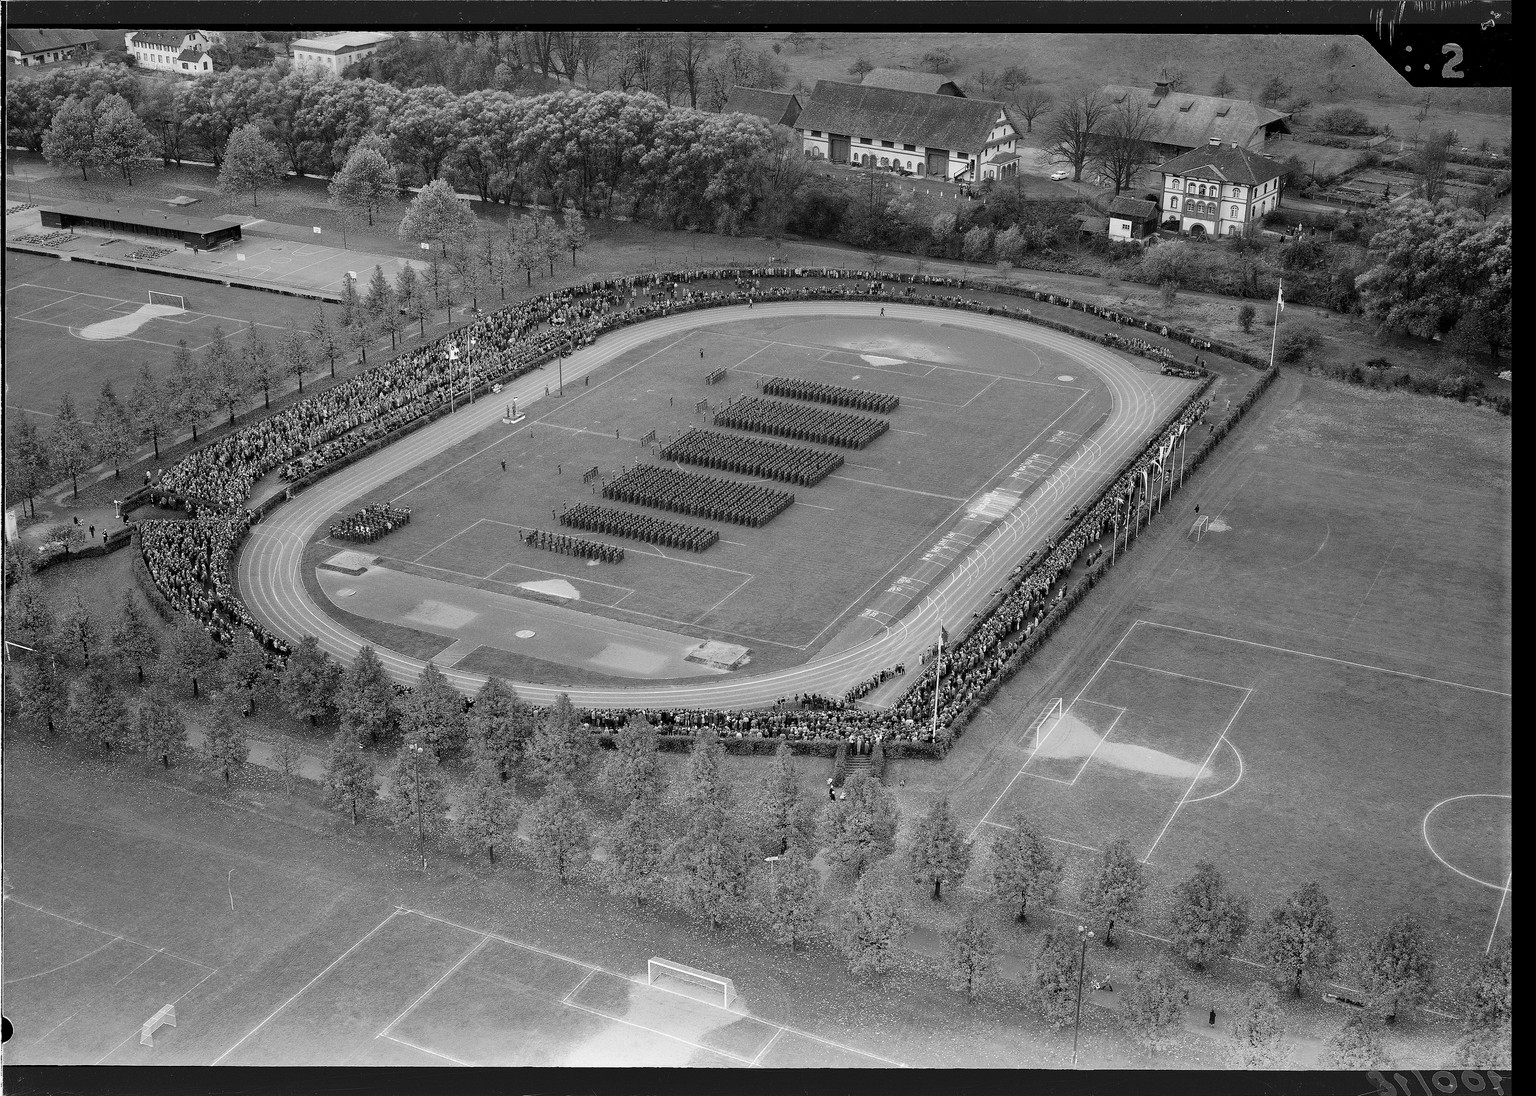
{"x": 979, "y": 412}
{"x": 51, "y": 308}
{"x": 1314, "y": 684}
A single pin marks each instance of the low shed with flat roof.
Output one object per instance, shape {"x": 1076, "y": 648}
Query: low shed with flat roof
{"x": 195, "y": 232}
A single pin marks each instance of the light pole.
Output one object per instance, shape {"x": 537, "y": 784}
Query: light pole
{"x": 1082, "y": 965}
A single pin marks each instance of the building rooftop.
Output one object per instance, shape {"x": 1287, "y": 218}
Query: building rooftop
{"x": 1226, "y": 164}
{"x": 1192, "y": 120}
{"x": 341, "y": 43}
{"x": 779, "y": 107}
{"x": 1135, "y": 208}
{"x": 907, "y": 80}
{"x": 161, "y": 37}
{"x": 910, "y": 117}
{"x": 105, "y": 211}
{"x": 26, "y": 40}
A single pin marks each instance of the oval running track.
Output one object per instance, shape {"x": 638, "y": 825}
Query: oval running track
{"x": 273, "y": 589}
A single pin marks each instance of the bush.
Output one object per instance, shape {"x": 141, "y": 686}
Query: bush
{"x": 1168, "y": 292}
{"x": 1245, "y": 316}
{"x": 1346, "y": 122}
{"x": 1297, "y": 343}
{"x": 1458, "y": 386}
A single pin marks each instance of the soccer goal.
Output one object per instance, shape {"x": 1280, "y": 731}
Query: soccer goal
{"x": 173, "y": 300}
{"x": 658, "y": 968}
{"x": 1043, "y": 726}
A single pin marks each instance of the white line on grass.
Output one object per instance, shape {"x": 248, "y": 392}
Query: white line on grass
{"x": 1496, "y": 917}
{"x": 333, "y": 964}
{"x": 1247, "y": 693}
{"x": 1326, "y": 658}
{"x": 139, "y": 1029}
{"x": 758, "y": 1057}
{"x": 579, "y": 986}
{"x": 663, "y": 1034}
{"x": 480, "y": 943}
{"x": 1058, "y": 840}
{"x": 1424, "y": 832}
{"x": 424, "y": 1050}
{"x": 1230, "y": 786}
{"x": 1102, "y": 739}
{"x": 1186, "y": 677}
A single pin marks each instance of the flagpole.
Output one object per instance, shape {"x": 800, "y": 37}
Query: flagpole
{"x": 1279, "y": 308}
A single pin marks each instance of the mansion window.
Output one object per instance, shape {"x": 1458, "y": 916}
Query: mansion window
{"x": 1173, "y": 203}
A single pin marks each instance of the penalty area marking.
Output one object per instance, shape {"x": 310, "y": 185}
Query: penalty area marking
{"x": 1234, "y": 783}
{"x": 1424, "y": 830}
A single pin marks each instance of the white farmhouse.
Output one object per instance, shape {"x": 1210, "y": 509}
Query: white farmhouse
{"x": 1219, "y": 190}
{"x": 184, "y": 52}
{"x": 335, "y": 53}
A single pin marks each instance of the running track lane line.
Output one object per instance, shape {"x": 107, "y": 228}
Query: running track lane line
{"x": 273, "y": 589}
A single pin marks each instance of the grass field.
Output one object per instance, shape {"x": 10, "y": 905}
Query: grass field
{"x": 47, "y": 303}
{"x": 781, "y": 589}
{"x": 1319, "y": 687}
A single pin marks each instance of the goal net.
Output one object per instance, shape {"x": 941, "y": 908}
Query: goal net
{"x": 171, "y": 300}
{"x": 721, "y": 989}
{"x": 1044, "y": 725}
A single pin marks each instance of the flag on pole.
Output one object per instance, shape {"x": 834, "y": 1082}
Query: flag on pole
{"x": 1280, "y": 296}
{"x": 943, "y": 635}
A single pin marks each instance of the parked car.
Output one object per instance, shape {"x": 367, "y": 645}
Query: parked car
{"x": 1058, "y": 176}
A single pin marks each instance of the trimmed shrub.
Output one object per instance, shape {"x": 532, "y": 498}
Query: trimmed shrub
{"x": 1297, "y": 343}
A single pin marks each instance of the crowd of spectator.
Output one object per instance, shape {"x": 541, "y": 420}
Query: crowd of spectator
{"x": 1179, "y": 369}
{"x": 698, "y": 495}
{"x": 870, "y": 684}
{"x": 797, "y": 464}
{"x": 572, "y": 546}
{"x": 189, "y": 563}
{"x": 802, "y": 389}
{"x": 626, "y": 523}
{"x": 371, "y": 522}
{"x": 815, "y": 424}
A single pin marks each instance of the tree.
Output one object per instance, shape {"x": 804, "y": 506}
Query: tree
{"x": 95, "y": 715}
{"x": 296, "y": 357}
{"x": 307, "y": 688}
{"x": 1299, "y": 937}
{"x": 499, "y": 725}
{"x": 189, "y": 389}
{"x": 1274, "y": 90}
{"x": 69, "y": 446}
{"x": 522, "y": 244}
{"x": 1114, "y": 889}
{"x": 26, "y": 460}
{"x": 1032, "y": 102}
{"x": 434, "y": 713}
{"x": 1023, "y": 869}
{"x": 365, "y": 699}
{"x": 1396, "y": 969}
{"x": 871, "y": 922}
{"x": 77, "y": 628}
{"x": 122, "y": 141}
{"x": 939, "y": 851}
{"x": 711, "y": 854}
{"x": 1486, "y": 997}
{"x": 1223, "y": 87}
{"x": 1126, "y": 138}
{"x": 409, "y": 295}
{"x": 781, "y": 814}
{"x": 187, "y": 656}
{"x": 151, "y": 408}
{"x": 1259, "y": 1029}
{"x": 438, "y": 215}
{"x": 558, "y": 830}
{"x": 244, "y": 671}
{"x": 560, "y": 745}
{"x": 1245, "y": 316}
{"x": 550, "y": 243}
{"x": 227, "y": 745}
{"x": 133, "y": 640}
{"x": 1152, "y": 1010}
{"x": 860, "y": 828}
{"x": 970, "y": 951}
{"x": 1430, "y": 163}
{"x": 1054, "y": 978}
{"x": 162, "y": 733}
{"x": 250, "y": 163}
{"x": 488, "y": 814}
{"x": 380, "y": 298}
{"x": 1209, "y": 921}
{"x": 326, "y": 344}
{"x": 417, "y": 805}
{"x": 573, "y": 236}
{"x": 793, "y": 900}
{"x": 226, "y": 374}
{"x": 976, "y": 242}
{"x": 70, "y": 140}
{"x": 366, "y": 185}
{"x": 31, "y": 614}
{"x": 1356, "y": 1046}
{"x": 112, "y": 433}
{"x": 351, "y": 304}
{"x": 260, "y": 366}
{"x": 1484, "y": 1048}
{"x": 1071, "y": 135}
{"x": 288, "y": 755}
{"x": 637, "y": 850}
{"x": 634, "y": 770}
{"x": 349, "y": 781}
{"x": 44, "y": 692}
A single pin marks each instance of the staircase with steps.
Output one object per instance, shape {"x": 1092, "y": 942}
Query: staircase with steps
{"x": 858, "y": 765}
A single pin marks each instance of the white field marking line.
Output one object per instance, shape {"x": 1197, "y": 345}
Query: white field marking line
{"x": 1170, "y": 673}
{"x": 1424, "y": 831}
{"x": 758, "y": 1057}
{"x": 814, "y": 506}
{"x": 722, "y": 601}
{"x": 424, "y": 1050}
{"x": 899, "y": 430}
{"x": 593, "y": 969}
{"x": 1327, "y": 658}
{"x": 737, "y": 543}
{"x": 439, "y": 544}
{"x": 1499, "y": 915}
{"x": 658, "y": 1031}
{"x": 333, "y": 964}
{"x": 1102, "y": 739}
{"x": 139, "y": 1028}
{"x": 891, "y": 487}
{"x": 1247, "y": 694}
{"x": 115, "y": 981}
{"x": 1230, "y": 786}
{"x": 1058, "y": 840}
{"x": 478, "y": 944}
{"x": 541, "y": 571}
{"x": 104, "y": 932}
{"x": 579, "y": 986}
{"x": 1385, "y": 560}
{"x": 61, "y": 966}
{"x": 1059, "y": 718}
{"x": 978, "y": 394}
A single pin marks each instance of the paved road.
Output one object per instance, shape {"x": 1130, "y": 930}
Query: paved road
{"x": 269, "y": 564}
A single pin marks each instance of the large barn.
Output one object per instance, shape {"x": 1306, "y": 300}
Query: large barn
{"x": 1193, "y": 121}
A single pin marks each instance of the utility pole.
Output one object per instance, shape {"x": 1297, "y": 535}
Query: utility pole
{"x": 1082, "y": 965}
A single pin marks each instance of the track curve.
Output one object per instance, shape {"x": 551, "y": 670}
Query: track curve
{"x": 271, "y": 583}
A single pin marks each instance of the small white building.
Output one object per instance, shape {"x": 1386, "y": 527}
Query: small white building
{"x": 44, "y": 47}
{"x": 1131, "y": 218}
{"x": 1219, "y": 190}
{"x": 184, "y": 52}
{"x": 917, "y": 133}
{"x": 335, "y": 53}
